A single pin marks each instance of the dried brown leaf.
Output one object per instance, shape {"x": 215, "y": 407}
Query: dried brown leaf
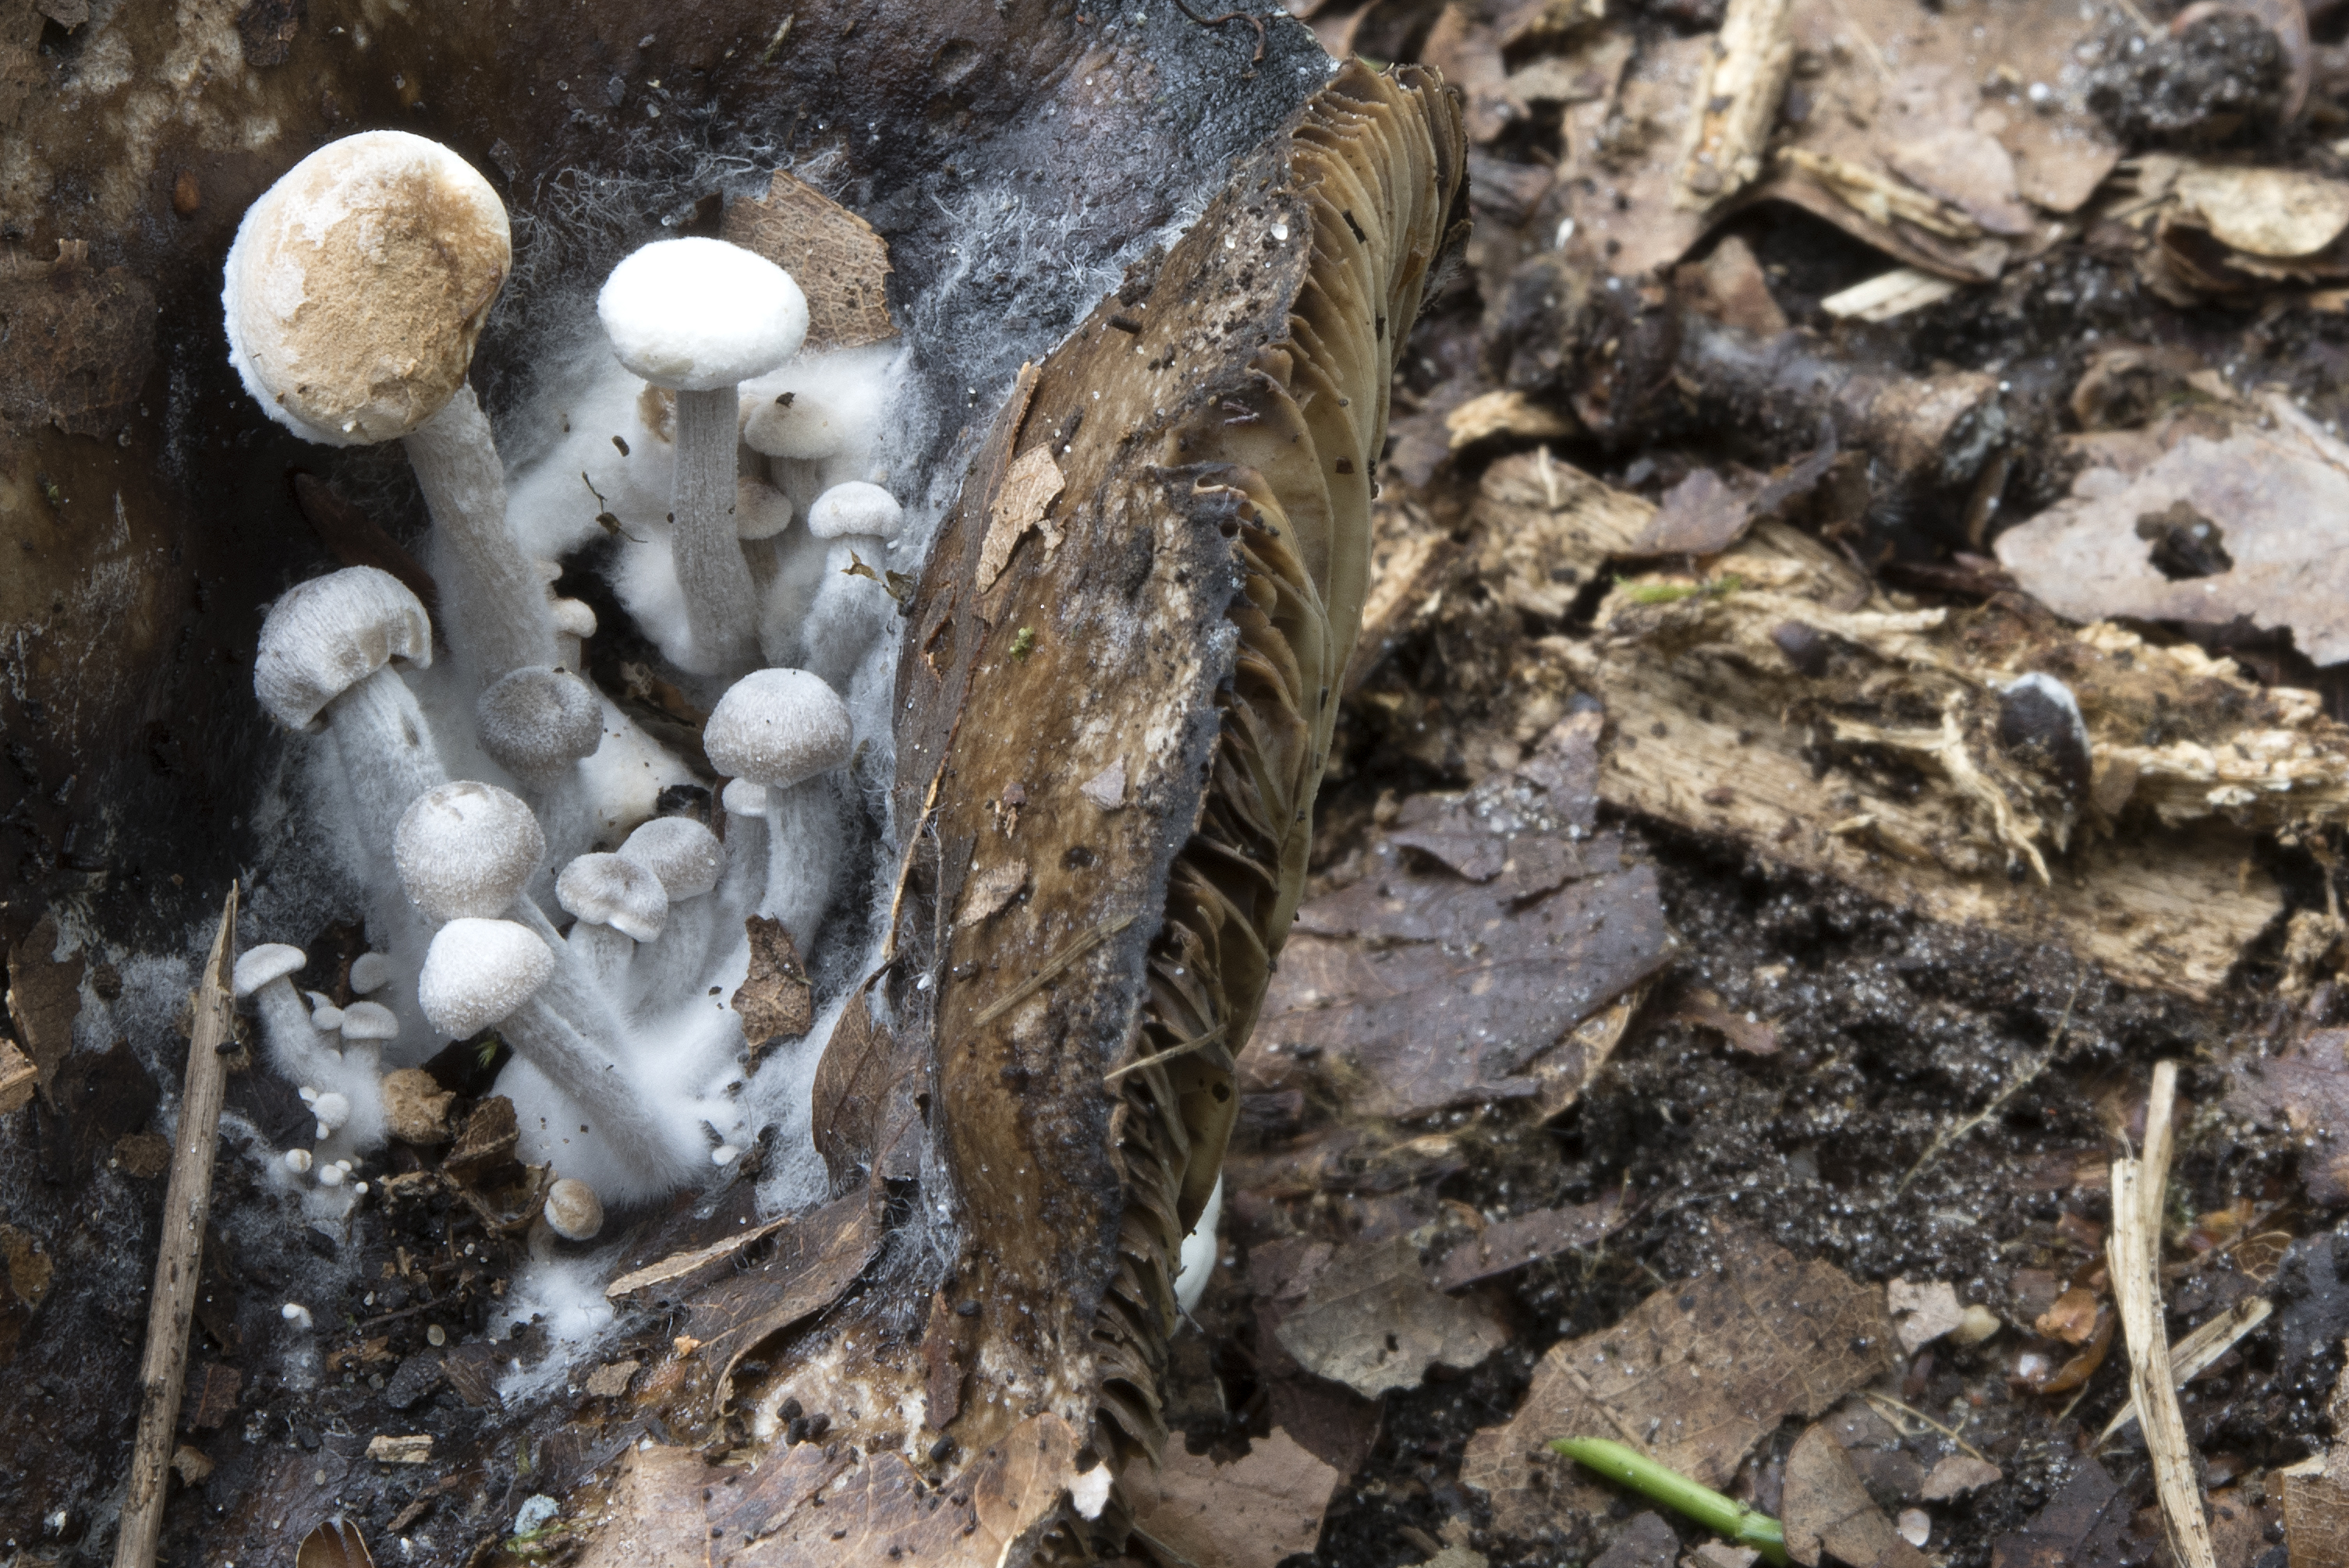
{"x": 1922, "y": 1312}
{"x": 1250, "y": 1513}
{"x": 774, "y": 999}
{"x": 854, "y": 1086}
{"x": 2276, "y": 212}
{"x": 1693, "y": 1376}
{"x": 2083, "y": 1526}
{"x": 2268, "y": 505}
{"x": 485, "y": 1143}
{"x": 1957, "y": 1474}
{"x": 1373, "y": 1321}
{"x": 835, "y": 257}
{"x": 2071, "y": 1319}
{"x": 336, "y": 1543}
{"x": 1527, "y": 1238}
{"x": 1644, "y": 1540}
{"x": 1468, "y": 53}
{"x": 815, "y": 1259}
{"x": 1825, "y": 1509}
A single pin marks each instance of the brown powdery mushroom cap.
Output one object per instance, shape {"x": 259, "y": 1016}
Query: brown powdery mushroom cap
{"x": 358, "y": 283}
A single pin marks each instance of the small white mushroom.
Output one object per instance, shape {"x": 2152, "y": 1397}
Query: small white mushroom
{"x": 331, "y": 1109}
{"x": 354, "y": 296}
{"x": 572, "y": 1211}
{"x": 575, "y": 623}
{"x": 481, "y": 973}
{"x": 787, "y": 729}
{"x": 327, "y": 648}
{"x": 1199, "y": 1250}
{"x": 700, "y": 316}
{"x": 325, "y": 1017}
{"x": 537, "y": 721}
{"x": 295, "y": 1313}
{"x": 761, "y": 511}
{"x": 369, "y": 1023}
{"x": 297, "y": 1160}
{"x": 371, "y": 973}
{"x": 852, "y": 606}
{"x": 264, "y": 972}
{"x": 689, "y": 860}
{"x": 619, "y": 904}
{"x": 467, "y": 849}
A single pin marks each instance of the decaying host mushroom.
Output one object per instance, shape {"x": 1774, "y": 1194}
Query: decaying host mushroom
{"x": 1185, "y": 594}
{"x": 354, "y": 294}
{"x": 788, "y": 730}
{"x": 326, "y": 647}
{"x": 700, "y": 316}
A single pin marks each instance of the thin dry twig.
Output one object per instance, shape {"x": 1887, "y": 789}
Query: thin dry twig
{"x": 187, "y": 1203}
{"x": 2190, "y": 1355}
{"x": 2134, "y": 1251}
{"x": 1887, "y": 1407}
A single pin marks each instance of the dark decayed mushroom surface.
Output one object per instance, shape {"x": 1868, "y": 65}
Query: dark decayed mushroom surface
{"x": 1119, "y": 702}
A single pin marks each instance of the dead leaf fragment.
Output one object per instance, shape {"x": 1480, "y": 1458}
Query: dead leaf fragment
{"x": 2071, "y": 1319}
{"x": 840, "y": 262}
{"x": 486, "y": 1141}
{"x": 774, "y": 999}
{"x": 1527, "y": 1238}
{"x": 989, "y": 889}
{"x": 1373, "y": 1321}
{"x": 2277, "y": 212}
{"x": 1025, "y": 498}
{"x": 142, "y": 1154}
{"x": 1825, "y": 1509}
{"x": 816, "y": 1257}
{"x": 1692, "y": 1378}
{"x": 1249, "y": 1513}
{"x": 44, "y": 997}
{"x": 856, "y": 1085}
{"x": 1645, "y": 1541}
{"x": 1106, "y": 788}
{"x": 2081, "y": 1527}
{"x": 336, "y": 1543}
{"x": 611, "y": 1380}
{"x": 1922, "y": 1313}
{"x": 17, "y": 1077}
{"x": 2315, "y": 1513}
{"x": 1956, "y": 1475}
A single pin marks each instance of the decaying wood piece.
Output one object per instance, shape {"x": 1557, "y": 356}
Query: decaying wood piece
{"x": 1779, "y": 699}
{"x": 2134, "y": 1250}
{"x": 842, "y": 264}
{"x": 1113, "y": 718}
{"x": 187, "y": 1203}
{"x": 1737, "y": 103}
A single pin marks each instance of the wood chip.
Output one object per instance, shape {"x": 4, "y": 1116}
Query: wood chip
{"x": 1106, "y": 788}
{"x": 1510, "y": 414}
{"x": 44, "y": 997}
{"x": 1957, "y": 1474}
{"x": 679, "y": 1273}
{"x": 18, "y": 1077}
{"x": 1889, "y": 295}
{"x": 989, "y": 889}
{"x": 610, "y": 1380}
{"x": 1735, "y": 103}
{"x": 840, "y": 262}
{"x": 386, "y": 1449}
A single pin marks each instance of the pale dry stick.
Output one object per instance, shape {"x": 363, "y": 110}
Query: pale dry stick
{"x": 2190, "y": 1355}
{"x": 186, "y": 1202}
{"x": 2134, "y": 1250}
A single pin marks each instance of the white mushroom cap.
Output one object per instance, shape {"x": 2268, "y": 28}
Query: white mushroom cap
{"x": 799, "y": 423}
{"x": 478, "y": 970}
{"x": 297, "y": 1160}
{"x": 257, "y": 966}
{"x": 574, "y": 618}
{"x": 856, "y": 507}
{"x": 324, "y": 637}
{"x": 325, "y": 1016}
{"x": 573, "y": 1209}
{"x": 699, "y": 315}
{"x": 466, "y": 849}
{"x": 369, "y": 1021}
{"x": 778, "y": 727}
{"x": 371, "y": 973}
{"x": 331, "y": 1109}
{"x": 295, "y": 1313}
{"x": 606, "y": 890}
{"x": 685, "y": 855}
{"x": 761, "y": 511}
{"x": 358, "y": 283}
{"x": 536, "y": 719}
{"x": 744, "y": 798}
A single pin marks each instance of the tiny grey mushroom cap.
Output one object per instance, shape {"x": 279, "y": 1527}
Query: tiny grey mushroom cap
{"x": 761, "y": 511}
{"x": 369, "y": 1021}
{"x": 778, "y": 727}
{"x": 371, "y": 973}
{"x": 573, "y": 1209}
{"x": 606, "y": 890}
{"x": 465, "y": 848}
{"x": 856, "y": 507}
{"x": 479, "y": 971}
{"x": 536, "y": 719}
{"x": 257, "y": 966}
{"x": 685, "y": 855}
{"x": 324, "y": 637}
{"x": 744, "y": 798}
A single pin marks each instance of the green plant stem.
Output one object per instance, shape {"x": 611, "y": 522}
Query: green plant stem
{"x": 1745, "y": 1526}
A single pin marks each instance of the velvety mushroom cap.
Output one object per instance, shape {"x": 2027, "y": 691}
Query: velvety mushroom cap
{"x": 369, "y": 1021}
{"x": 537, "y": 718}
{"x": 358, "y": 283}
{"x": 324, "y": 637}
{"x": 761, "y": 511}
{"x": 797, "y": 425}
{"x": 856, "y": 507}
{"x": 778, "y": 727}
{"x": 685, "y": 855}
{"x": 478, "y": 970}
{"x": 698, "y": 314}
{"x": 744, "y": 798}
{"x": 606, "y": 890}
{"x": 257, "y": 966}
{"x": 465, "y": 848}
{"x": 575, "y": 618}
{"x": 371, "y": 973}
{"x": 573, "y": 1209}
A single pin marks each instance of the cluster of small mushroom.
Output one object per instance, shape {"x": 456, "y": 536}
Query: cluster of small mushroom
{"x": 354, "y": 294}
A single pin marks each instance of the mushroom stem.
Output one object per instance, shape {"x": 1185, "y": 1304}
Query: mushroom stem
{"x": 619, "y": 1111}
{"x": 804, "y": 851}
{"x": 387, "y": 752}
{"x": 494, "y": 603}
{"x": 719, "y": 607}
{"x": 298, "y": 1053}
{"x": 606, "y": 954}
{"x": 850, "y": 610}
{"x": 744, "y": 881}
